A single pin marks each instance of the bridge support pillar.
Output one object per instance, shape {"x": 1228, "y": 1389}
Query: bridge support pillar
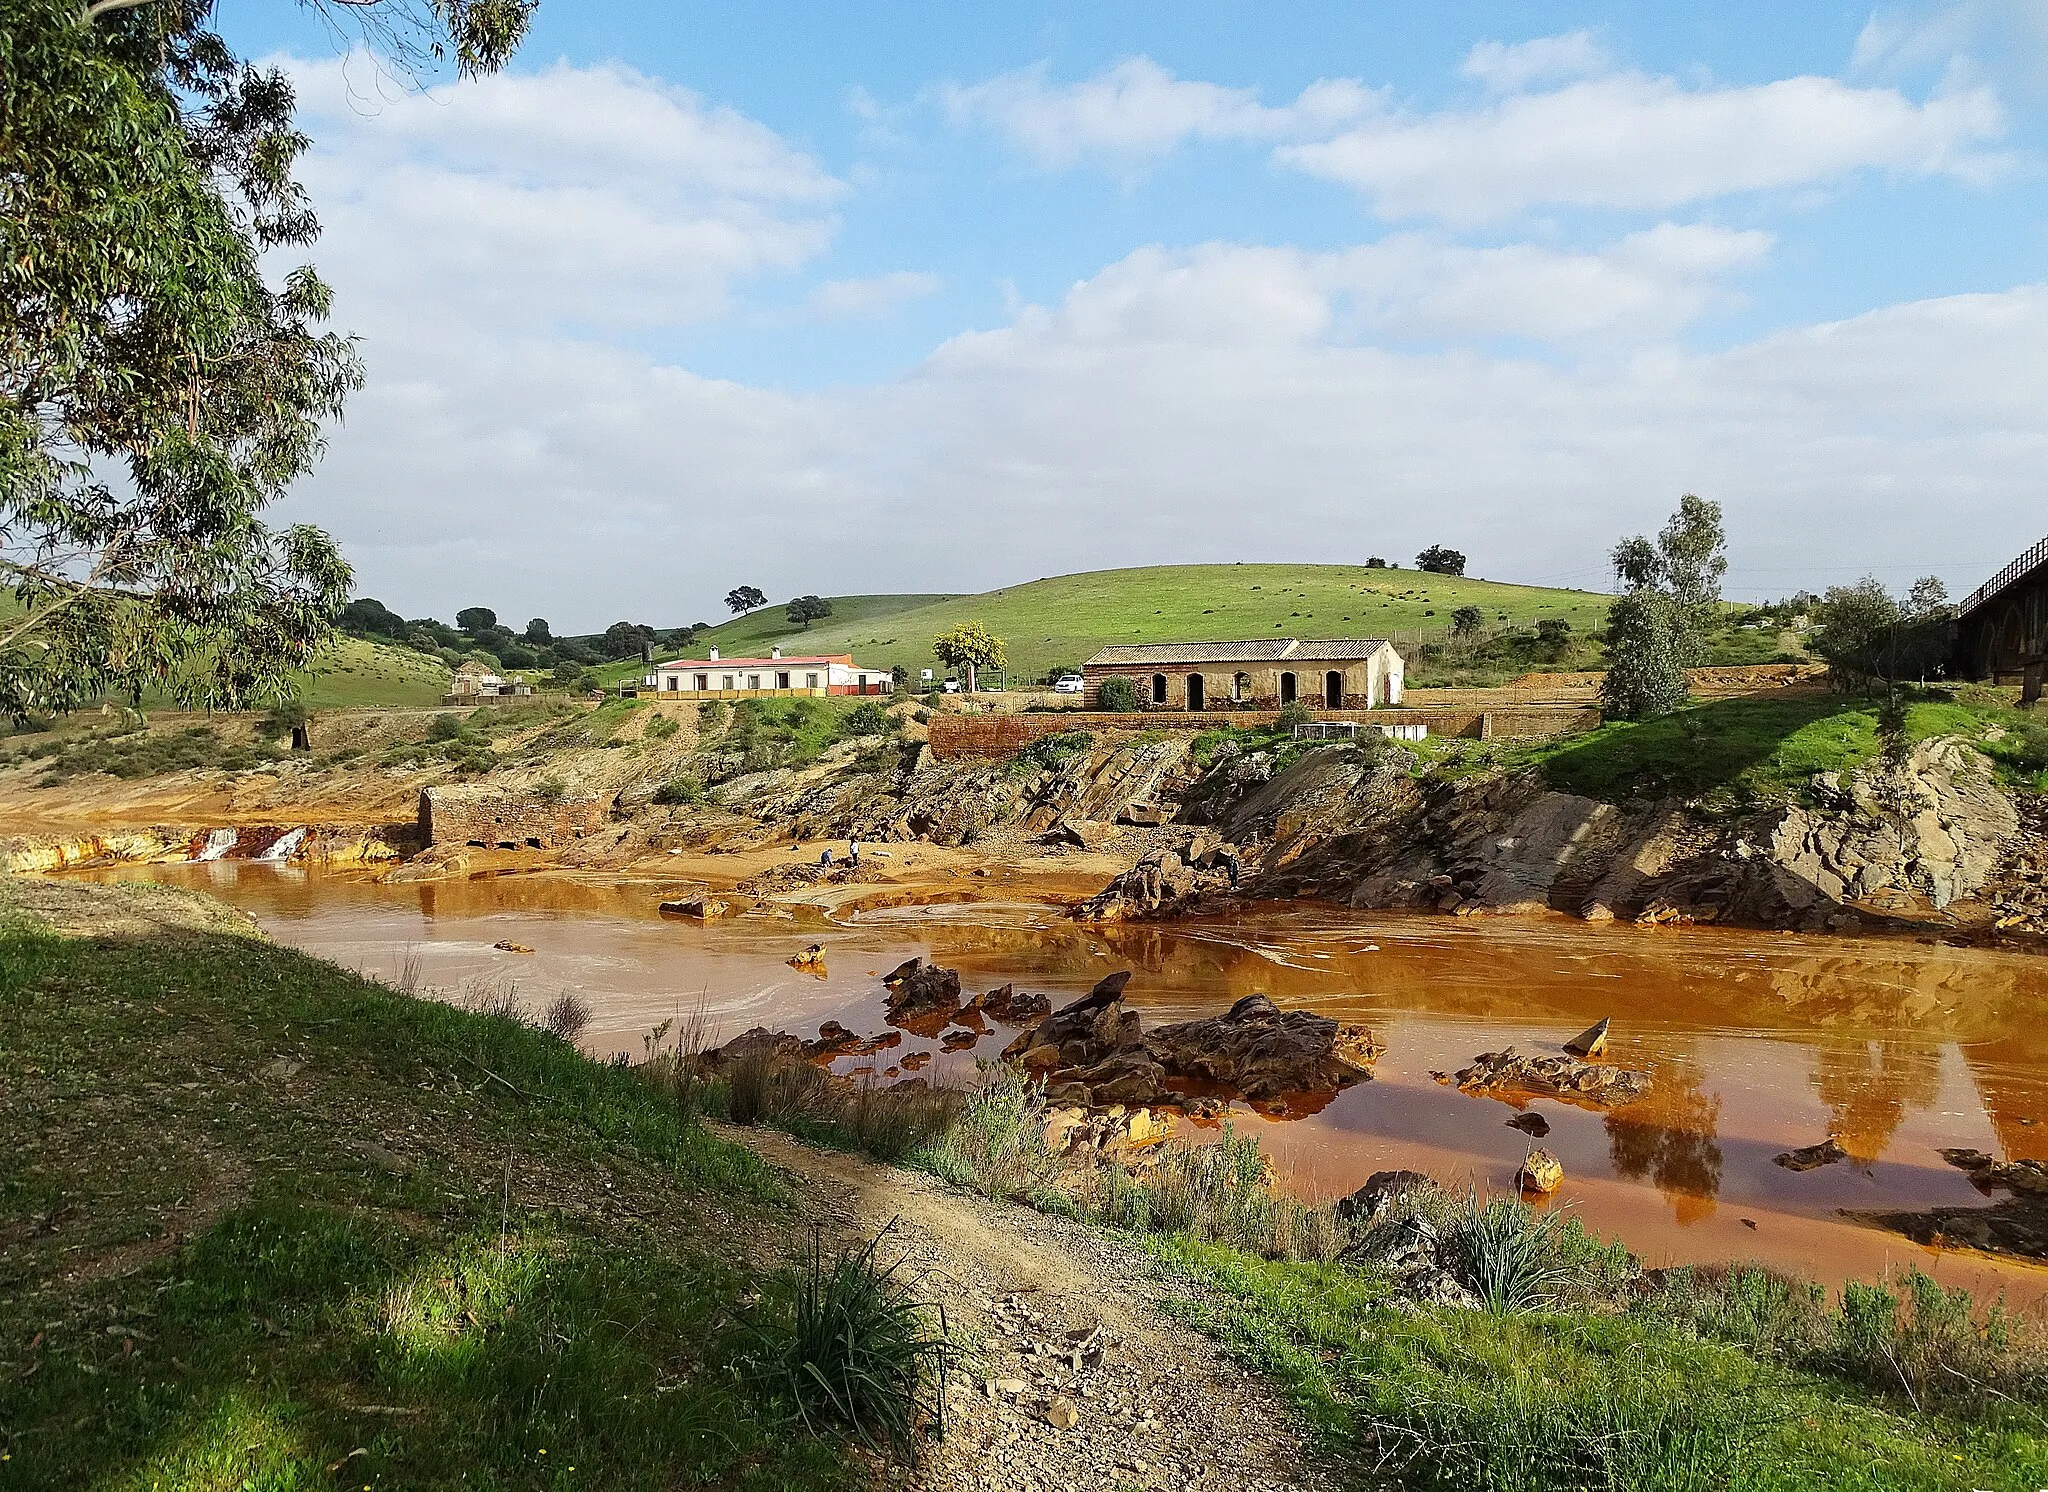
{"x": 2030, "y": 685}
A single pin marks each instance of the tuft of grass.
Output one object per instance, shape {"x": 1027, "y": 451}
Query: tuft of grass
{"x": 860, "y": 1350}
{"x": 996, "y": 1142}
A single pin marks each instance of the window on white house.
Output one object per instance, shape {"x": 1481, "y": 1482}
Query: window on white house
{"x": 703, "y": 683}
{"x": 810, "y": 681}
{"x": 753, "y": 681}
{"x": 782, "y": 681}
{"x": 726, "y": 685}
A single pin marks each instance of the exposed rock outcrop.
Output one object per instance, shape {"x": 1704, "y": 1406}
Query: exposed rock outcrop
{"x": 1593, "y": 1084}
{"x": 1096, "y": 1052}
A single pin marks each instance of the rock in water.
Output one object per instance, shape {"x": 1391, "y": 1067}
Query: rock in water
{"x": 703, "y": 908}
{"x": 506, "y": 945}
{"x": 902, "y": 972}
{"x": 812, "y": 957}
{"x": 1262, "y": 1051}
{"x": 1597, "y": 1084}
{"x": 1812, "y": 1157}
{"x": 1590, "y": 1042}
{"x": 1012, "y": 1008}
{"x": 924, "y": 990}
{"x": 1534, "y": 1125}
{"x": 1542, "y": 1172}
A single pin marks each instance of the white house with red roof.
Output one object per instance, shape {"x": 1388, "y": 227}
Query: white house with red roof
{"x": 731, "y": 678}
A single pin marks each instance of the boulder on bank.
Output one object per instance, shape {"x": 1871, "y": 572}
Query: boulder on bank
{"x": 1013, "y": 1007}
{"x": 1165, "y": 883}
{"x": 1596, "y": 1084}
{"x": 699, "y": 908}
{"x": 1096, "y": 1052}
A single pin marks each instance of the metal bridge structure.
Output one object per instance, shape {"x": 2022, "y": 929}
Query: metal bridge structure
{"x": 2002, "y": 626}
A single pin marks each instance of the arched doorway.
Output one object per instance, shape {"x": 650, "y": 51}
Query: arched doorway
{"x": 1240, "y": 685}
{"x": 1159, "y": 689}
{"x": 1197, "y": 694}
{"x": 1333, "y": 690}
{"x": 1287, "y": 689}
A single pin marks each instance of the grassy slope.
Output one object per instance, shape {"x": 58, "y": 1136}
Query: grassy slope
{"x": 1769, "y": 746}
{"x": 353, "y": 671}
{"x": 1539, "y": 1401}
{"x": 383, "y": 1267}
{"x": 1061, "y": 621}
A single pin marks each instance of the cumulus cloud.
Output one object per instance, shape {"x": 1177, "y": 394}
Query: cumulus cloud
{"x": 871, "y": 296}
{"x": 1513, "y": 66}
{"x": 1138, "y": 109}
{"x": 1629, "y": 141}
{"x": 522, "y": 445}
{"x": 2005, "y": 40}
{"x": 572, "y": 196}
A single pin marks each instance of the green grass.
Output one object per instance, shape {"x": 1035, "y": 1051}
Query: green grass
{"x": 1765, "y": 747}
{"x": 1059, "y": 622}
{"x": 266, "y": 1225}
{"x": 353, "y": 671}
{"x": 1539, "y": 1401}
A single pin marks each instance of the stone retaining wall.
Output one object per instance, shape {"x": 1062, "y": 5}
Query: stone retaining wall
{"x": 495, "y": 819}
{"x": 955, "y": 736}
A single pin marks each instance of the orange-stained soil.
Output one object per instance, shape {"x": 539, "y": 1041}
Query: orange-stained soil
{"x": 1758, "y": 1043}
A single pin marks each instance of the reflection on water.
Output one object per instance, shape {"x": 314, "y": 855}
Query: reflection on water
{"x": 1669, "y": 1139}
{"x": 1757, "y": 1043}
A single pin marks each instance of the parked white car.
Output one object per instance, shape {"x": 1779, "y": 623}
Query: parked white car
{"x": 1069, "y": 684}
{"x": 952, "y": 686}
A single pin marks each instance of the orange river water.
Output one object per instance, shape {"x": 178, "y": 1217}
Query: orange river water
{"x": 1757, "y": 1042}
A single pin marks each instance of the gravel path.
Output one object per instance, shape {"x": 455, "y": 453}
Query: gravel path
{"x": 1073, "y": 1379}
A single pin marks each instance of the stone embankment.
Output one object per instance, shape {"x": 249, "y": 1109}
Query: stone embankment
{"x": 1924, "y": 839}
{"x": 330, "y": 844}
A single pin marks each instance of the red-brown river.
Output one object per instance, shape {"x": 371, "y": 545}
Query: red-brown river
{"x": 1757, "y": 1042}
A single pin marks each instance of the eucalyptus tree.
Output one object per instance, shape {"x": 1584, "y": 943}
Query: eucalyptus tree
{"x": 157, "y": 390}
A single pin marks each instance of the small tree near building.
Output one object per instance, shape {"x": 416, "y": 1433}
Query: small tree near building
{"x": 1467, "y": 621}
{"x": 1870, "y": 637}
{"x": 1438, "y": 560}
{"x": 745, "y": 598}
{"x": 807, "y": 609}
{"x": 970, "y": 646}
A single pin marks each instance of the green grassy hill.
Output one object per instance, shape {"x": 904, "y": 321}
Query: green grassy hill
{"x": 1058, "y": 622}
{"x": 353, "y": 671}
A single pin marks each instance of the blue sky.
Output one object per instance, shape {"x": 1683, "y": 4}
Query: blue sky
{"x": 918, "y": 297}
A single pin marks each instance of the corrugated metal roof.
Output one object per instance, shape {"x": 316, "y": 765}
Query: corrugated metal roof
{"x": 1252, "y": 650}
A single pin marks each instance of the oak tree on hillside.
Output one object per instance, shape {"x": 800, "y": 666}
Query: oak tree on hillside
{"x": 476, "y": 620}
{"x": 744, "y": 598}
{"x": 1438, "y": 560}
{"x": 807, "y": 609}
{"x": 157, "y": 390}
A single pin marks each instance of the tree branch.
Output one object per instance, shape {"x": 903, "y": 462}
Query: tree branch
{"x": 100, "y": 8}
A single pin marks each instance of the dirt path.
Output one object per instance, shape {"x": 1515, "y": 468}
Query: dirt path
{"x": 1055, "y": 1313}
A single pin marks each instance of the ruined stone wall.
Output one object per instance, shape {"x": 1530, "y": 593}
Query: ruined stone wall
{"x": 496, "y": 819}
{"x": 955, "y": 736}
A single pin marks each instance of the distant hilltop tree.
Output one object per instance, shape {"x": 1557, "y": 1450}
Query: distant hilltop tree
{"x": 1438, "y": 560}
{"x": 807, "y": 609}
{"x": 537, "y": 632}
{"x": 476, "y": 620}
{"x": 1375, "y": 563}
{"x": 367, "y": 615}
{"x": 627, "y": 639}
{"x": 745, "y": 598}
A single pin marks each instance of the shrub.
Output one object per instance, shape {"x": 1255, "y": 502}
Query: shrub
{"x": 861, "y": 1351}
{"x": 446, "y": 728}
{"x": 997, "y": 1140}
{"x": 1118, "y": 695}
{"x": 678, "y": 790}
{"x": 1293, "y": 714}
{"x": 550, "y": 790}
{"x": 566, "y": 1017}
{"x": 867, "y": 718}
{"x": 1053, "y": 752}
{"x": 661, "y": 727}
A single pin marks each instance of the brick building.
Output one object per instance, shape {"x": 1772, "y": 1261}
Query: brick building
{"x": 1260, "y": 674}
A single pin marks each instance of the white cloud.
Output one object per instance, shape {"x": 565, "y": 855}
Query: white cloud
{"x": 1138, "y": 109}
{"x": 519, "y": 446}
{"x": 2005, "y": 40}
{"x": 872, "y": 296}
{"x": 1410, "y": 288}
{"x": 1628, "y": 141}
{"x": 577, "y": 195}
{"x": 1511, "y": 67}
